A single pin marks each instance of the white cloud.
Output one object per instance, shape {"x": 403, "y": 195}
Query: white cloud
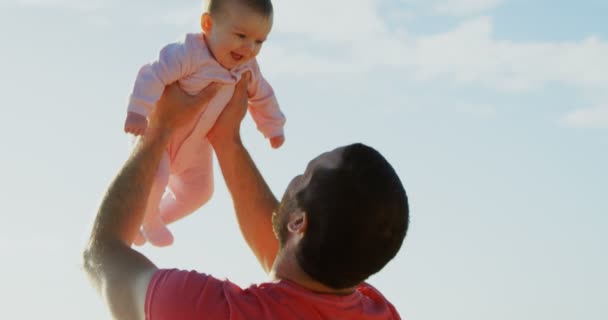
{"x": 102, "y": 12}
{"x": 80, "y": 5}
{"x": 44, "y": 244}
{"x": 596, "y": 117}
{"x": 319, "y": 37}
{"x": 470, "y": 55}
{"x": 185, "y": 16}
{"x": 335, "y": 21}
{"x": 349, "y": 37}
{"x": 466, "y": 55}
{"x": 464, "y": 7}
{"x": 279, "y": 59}
{"x": 479, "y": 110}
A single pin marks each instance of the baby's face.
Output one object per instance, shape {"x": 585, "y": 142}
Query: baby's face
{"x": 236, "y": 34}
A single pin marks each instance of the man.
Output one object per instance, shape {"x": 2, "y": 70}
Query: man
{"x": 338, "y": 223}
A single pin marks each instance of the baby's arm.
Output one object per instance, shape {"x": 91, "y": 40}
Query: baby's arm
{"x": 264, "y": 109}
{"x": 174, "y": 62}
{"x": 277, "y": 141}
{"x": 135, "y": 123}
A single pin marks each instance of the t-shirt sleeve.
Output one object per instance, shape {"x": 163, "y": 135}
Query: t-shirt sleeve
{"x": 375, "y": 295}
{"x": 185, "y": 295}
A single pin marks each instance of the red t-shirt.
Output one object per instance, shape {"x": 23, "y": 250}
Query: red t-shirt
{"x": 183, "y": 295}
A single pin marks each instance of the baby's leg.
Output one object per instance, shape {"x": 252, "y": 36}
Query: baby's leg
{"x": 153, "y": 228}
{"x": 190, "y": 189}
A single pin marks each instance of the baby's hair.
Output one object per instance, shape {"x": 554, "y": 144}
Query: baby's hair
{"x": 263, "y": 7}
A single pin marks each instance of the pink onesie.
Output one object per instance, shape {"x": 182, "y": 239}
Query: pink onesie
{"x": 186, "y": 167}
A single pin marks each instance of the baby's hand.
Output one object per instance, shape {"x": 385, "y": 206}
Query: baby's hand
{"x": 277, "y": 141}
{"x": 135, "y": 124}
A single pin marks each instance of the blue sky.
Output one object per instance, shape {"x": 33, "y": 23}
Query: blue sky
{"x": 494, "y": 113}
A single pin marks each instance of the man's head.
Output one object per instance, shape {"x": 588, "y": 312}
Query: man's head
{"x": 355, "y": 214}
{"x": 236, "y": 29}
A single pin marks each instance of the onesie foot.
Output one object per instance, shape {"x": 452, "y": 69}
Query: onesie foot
{"x": 139, "y": 240}
{"x": 160, "y": 236}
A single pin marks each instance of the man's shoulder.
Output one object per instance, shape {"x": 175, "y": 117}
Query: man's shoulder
{"x": 173, "y": 281}
{"x": 369, "y": 290}
{"x": 191, "y": 278}
{"x": 181, "y": 294}
{"x": 374, "y": 294}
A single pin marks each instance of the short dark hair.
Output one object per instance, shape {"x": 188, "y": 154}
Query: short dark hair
{"x": 358, "y": 216}
{"x": 263, "y": 7}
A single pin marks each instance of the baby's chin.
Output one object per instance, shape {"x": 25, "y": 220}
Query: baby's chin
{"x": 228, "y": 66}
{"x": 232, "y": 64}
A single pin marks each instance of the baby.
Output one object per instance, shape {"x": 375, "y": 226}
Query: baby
{"x": 233, "y": 32}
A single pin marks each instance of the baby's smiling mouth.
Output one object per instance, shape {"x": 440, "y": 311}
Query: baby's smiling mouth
{"x": 236, "y": 56}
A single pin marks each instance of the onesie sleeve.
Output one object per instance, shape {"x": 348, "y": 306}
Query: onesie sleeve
{"x": 263, "y": 105}
{"x": 175, "y": 61}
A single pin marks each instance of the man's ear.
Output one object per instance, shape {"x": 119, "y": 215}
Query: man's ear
{"x": 206, "y": 22}
{"x": 298, "y": 222}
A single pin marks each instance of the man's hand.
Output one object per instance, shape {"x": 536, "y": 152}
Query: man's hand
{"x": 228, "y": 124}
{"x": 175, "y": 107}
{"x": 135, "y": 124}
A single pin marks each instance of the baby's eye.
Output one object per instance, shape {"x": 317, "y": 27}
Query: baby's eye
{"x": 240, "y": 35}
{"x": 259, "y": 42}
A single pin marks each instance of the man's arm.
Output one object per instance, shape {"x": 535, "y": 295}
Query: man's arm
{"x": 254, "y": 203}
{"x": 120, "y": 273}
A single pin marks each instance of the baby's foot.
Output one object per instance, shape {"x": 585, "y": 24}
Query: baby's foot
{"x": 140, "y": 240}
{"x": 158, "y": 234}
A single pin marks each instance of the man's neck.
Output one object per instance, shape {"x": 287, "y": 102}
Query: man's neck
{"x": 286, "y": 267}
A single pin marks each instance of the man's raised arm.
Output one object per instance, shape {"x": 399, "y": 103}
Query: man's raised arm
{"x": 254, "y": 203}
{"x": 120, "y": 273}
